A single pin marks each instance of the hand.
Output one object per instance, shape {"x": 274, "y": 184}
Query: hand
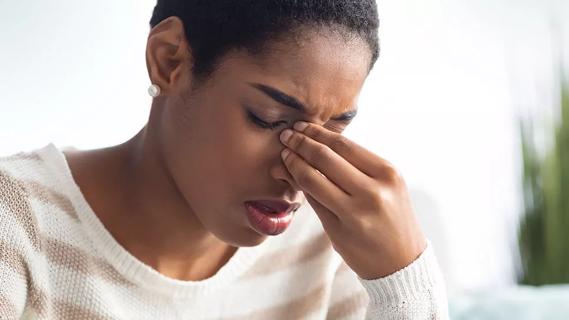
{"x": 360, "y": 198}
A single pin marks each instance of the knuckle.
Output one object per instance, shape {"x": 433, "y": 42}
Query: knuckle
{"x": 291, "y": 163}
{"x": 322, "y": 154}
{"x": 317, "y": 135}
{"x": 310, "y": 130}
{"x": 294, "y": 141}
{"x": 303, "y": 180}
{"x": 340, "y": 144}
{"x": 299, "y": 141}
{"x": 378, "y": 198}
{"x": 390, "y": 175}
{"x": 394, "y": 175}
{"x": 364, "y": 225}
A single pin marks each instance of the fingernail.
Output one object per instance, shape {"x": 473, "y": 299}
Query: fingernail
{"x": 285, "y": 135}
{"x": 285, "y": 153}
{"x": 300, "y": 125}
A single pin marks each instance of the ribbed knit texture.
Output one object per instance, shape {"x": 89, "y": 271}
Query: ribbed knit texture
{"x": 58, "y": 261}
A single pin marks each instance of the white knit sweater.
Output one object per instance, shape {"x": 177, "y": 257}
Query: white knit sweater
{"x": 58, "y": 261}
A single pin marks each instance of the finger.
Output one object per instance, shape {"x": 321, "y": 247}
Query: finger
{"x": 314, "y": 183}
{"x": 337, "y": 169}
{"x": 329, "y": 220}
{"x": 363, "y": 159}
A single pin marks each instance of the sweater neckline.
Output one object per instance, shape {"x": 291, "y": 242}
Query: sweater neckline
{"x": 123, "y": 261}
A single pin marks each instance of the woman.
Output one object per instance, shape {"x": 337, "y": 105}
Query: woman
{"x": 202, "y": 214}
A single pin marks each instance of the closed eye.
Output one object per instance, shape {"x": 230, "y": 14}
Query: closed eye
{"x": 261, "y": 123}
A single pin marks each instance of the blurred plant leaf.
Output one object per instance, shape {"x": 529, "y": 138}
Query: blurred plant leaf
{"x": 543, "y": 234}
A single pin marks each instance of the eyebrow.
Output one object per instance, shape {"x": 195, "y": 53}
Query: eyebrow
{"x": 293, "y": 103}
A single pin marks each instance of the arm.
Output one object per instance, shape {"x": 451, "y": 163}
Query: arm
{"x": 365, "y": 208}
{"x": 415, "y": 292}
{"x": 17, "y": 239}
{"x": 13, "y": 283}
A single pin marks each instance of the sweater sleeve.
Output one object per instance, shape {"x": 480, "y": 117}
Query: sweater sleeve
{"x": 414, "y": 292}
{"x": 17, "y": 239}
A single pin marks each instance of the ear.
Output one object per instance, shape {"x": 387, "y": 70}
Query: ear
{"x": 168, "y": 54}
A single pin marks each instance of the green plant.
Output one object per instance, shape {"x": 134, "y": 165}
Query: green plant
{"x": 543, "y": 235}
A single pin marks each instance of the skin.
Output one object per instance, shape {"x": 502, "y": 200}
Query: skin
{"x": 173, "y": 194}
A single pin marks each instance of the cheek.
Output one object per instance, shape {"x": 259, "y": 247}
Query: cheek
{"x": 243, "y": 147}
{"x": 221, "y": 155}
{"x": 248, "y": 156}
{"x": 245, "y": 153}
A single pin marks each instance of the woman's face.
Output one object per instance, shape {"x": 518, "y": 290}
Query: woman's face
{"x": 212, "y": 139}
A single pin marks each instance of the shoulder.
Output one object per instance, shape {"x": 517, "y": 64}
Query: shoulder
{"x": 28, "y": 182}
{"x": 17, "y": 219}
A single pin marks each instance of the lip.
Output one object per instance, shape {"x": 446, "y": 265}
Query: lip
{"x": 270, "y": 217}
{"x": 277, "y": 205}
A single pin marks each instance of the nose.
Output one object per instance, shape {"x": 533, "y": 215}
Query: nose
{"x": 280, "y": 173}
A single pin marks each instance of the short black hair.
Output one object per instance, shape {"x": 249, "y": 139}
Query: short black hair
{"x": 214, "y": 27}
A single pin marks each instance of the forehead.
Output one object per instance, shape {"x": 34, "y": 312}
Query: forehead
{"x": 323, "y": 70}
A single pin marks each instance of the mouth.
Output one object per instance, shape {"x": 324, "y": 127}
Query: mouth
{"x": 275, "y": 206}
{"x": 270, "y": 217}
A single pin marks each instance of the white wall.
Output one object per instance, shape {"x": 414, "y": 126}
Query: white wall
{"x": 440, "y": 103}
{"x": 73, "y": 72}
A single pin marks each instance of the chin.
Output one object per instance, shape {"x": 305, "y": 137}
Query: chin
{"x": 247, "y": 238}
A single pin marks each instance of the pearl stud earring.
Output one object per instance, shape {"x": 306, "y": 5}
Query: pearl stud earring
{"x": 154, "y": 90}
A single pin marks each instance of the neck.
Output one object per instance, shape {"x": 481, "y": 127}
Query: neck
{"x": 144, "y": 210}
